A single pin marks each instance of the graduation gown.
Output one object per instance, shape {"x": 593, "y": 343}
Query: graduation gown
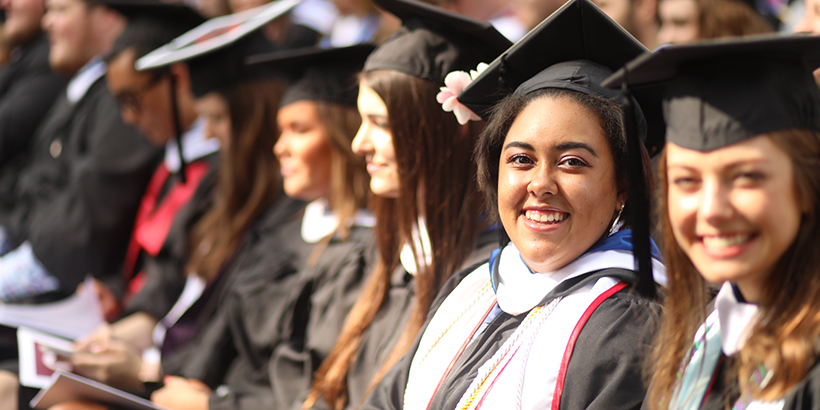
{"x": 581, "y": 348}
{"x": 28, "y": 88}
{"x": 76, "y": 200}
{"x": 283, "y": 327}
{"x": 163, "y": 273}
{"x": 382, "y": 335}
{"x": 256, "y": 256}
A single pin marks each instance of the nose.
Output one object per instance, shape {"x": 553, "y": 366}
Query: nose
{"x": 129, "y": 116}
{"x": 542, "y": 183}
{"x": 715, "y": 202}
{"x": 280, "y": 147}
{"x": 361, "y": 144}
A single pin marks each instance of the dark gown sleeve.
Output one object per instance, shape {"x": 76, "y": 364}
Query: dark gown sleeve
{"x": 30, "y": 90}
{"x": 604, "y": 370}
{"x": 806, "y": 396}
{"x": 84, "y": 227}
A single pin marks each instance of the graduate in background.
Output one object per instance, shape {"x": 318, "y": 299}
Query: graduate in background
{"x": 428, "y": 223}
{"x": 740, "y": 191}
{"x": 74, "y": 205}
{"x": 559, "y": 317}
{"x": 282, "y": 330}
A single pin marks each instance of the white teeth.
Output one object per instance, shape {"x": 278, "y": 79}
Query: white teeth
{"x": 540, "y": 216}
{"x": 725, "y": 241}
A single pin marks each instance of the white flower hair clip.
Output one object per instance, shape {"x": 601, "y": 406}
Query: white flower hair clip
{"x": 448, "y": 96}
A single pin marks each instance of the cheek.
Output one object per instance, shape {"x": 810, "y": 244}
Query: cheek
{"x": 682, "y": 212}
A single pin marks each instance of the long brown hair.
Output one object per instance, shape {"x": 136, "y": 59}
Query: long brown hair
{"x": 785, "y": 339}
{"x": 436, "y": 181}
{"x": 248, "y": 179}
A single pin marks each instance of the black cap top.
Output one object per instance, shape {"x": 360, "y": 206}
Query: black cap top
{"x": 318, "y": 74}
{"x": 575, "y": 48}
{"x": 216, "y": 50}
{"x": 723, "y": 91}
{"x": 432, "y": 42}
{"x": 177, "y": 12}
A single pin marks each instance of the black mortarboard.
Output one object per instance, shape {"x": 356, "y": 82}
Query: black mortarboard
{"x": 575, "y": 48}
{"x": 433, "y": 42}
{"x": 318, "y": 74}
{"x": 720, "y": 92}
{"x": 216, "y": 50}
{"x": 176, "y": 13}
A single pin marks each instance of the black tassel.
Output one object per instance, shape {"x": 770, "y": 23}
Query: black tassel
{"x": 177, "y": 126}
{"x": 638, "y": 198}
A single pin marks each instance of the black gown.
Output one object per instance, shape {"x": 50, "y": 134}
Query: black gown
{"x": 268, "y": 317}
{"x": 256, "y": 256}
{"x": 606, "y": 346}
{"x": 382, "y": 335}
{"x": 164, "y": 278}
{"x": 28, "y": 88}
{"x": 77, "y": 198}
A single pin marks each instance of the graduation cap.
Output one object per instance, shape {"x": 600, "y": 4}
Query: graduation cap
{"x": 176, "y": 13}
{"x": 319, "y": 74}
{"x": 433, "y": 42}
{"x": 575, "y": 49}
{"x": 215, "y": 51}
{"x": 723, "y": 91}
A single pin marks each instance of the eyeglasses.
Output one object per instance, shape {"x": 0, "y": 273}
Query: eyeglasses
{"x": 132, "y": 100}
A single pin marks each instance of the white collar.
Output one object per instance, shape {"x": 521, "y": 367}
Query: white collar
{"x": 519, "y": 289}
{"x": 320, "y": 221}
{"x": 421, "y": 241}
{"x": 194, "y": 146}
{"x": 735, "y": 319}
{"x": 85, "y": 78}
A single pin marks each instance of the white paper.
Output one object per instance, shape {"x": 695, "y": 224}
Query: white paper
{"x": 71, "y": 387}
{"x": 71, "y": 318}
{"x": 40, "y": 356}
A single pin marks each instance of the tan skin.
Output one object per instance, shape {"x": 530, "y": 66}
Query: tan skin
{"x": 145, "y": 98}
{"x": 733, "y": 210}
{"x": 679, "y": 21}
{"x": 557, "y": 193}
{"x": 22, "y": 20}
{"x": 304, "y": 151}
{"x": 374, "y": 141}
{"x": 78, "y": 31}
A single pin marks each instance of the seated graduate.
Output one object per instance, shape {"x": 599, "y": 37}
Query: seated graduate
{"x": 280, "y": 331}
{"x": 428, "y": 224}
{"x": 145, "y": 100}
{"x": 229, "y": 243}
{"x": 71, "y": 209}
{"x": 740, "y": 193}
{"x": 559, "y": 317}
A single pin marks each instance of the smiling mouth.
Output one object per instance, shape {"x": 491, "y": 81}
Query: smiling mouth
{"x": 545, "y": 217}
{"x": 725, "y": 241}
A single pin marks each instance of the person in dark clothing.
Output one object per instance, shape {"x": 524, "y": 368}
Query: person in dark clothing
{"x": 279, "y": 331}
{"x": 28, "y": 87}
{"x": 559, "y": 317}
{"x": 74, "y": 204}
{"x": 428, "y": 223}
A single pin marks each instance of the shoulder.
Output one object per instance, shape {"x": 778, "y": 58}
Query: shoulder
{"x": 806, "y": 396}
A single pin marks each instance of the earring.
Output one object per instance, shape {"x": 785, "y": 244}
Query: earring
{"x": 617, "y": 222}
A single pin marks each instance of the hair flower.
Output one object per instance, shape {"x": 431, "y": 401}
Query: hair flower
{"x": 448, "y": 97}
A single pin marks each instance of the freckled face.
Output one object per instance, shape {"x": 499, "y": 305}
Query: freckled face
{"x": 733, "y": 210}
{"x": 374, "y": 141}
{"x": 304, "y": 151}
{"x": 557, "y": 193}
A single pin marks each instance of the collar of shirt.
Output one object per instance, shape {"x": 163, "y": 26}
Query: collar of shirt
{"x": 735, "y": 319}
{"x": 194, "y": 146}
{"x": 85, "y": 78}
{"x": 320, "y": 221}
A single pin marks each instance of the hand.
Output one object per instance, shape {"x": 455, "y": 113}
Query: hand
{"x": 77, "y": 405}
{"x": 109, "y": 304}
{"x": 180, "y": 393}
{"x": 113, "y": 363}
{"x": 93, "y": 342}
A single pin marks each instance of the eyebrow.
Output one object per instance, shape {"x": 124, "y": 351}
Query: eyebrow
{"x": 560, "y": 147}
